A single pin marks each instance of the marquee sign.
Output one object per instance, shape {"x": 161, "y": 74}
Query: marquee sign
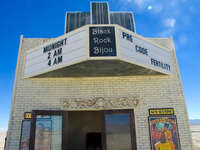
{"x": 102, "y": 41}
{"x": 135, "y": 49}
{"x": 61, "y": 52}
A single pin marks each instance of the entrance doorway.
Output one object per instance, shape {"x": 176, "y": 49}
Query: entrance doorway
{"x": 93, "y": 141}
{"x": 83, "y": 130}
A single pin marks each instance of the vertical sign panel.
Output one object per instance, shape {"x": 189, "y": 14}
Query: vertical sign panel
{"x": 102, "y": 41}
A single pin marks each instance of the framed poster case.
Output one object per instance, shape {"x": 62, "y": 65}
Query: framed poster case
{"x": 43, "y": 134}
{"x": 25, "y": 135}
{"x": 164, "y": 133}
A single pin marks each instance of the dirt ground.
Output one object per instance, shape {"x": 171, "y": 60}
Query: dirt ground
{"x": 195, "y": 129}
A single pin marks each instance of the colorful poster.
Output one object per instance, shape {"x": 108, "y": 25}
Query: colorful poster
{"x": 25, "y": 135}
{"x": 164, "y": 133}
{"x": 43, "y": 134}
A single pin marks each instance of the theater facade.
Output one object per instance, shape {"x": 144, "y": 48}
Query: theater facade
{"x": 99, "y": 86}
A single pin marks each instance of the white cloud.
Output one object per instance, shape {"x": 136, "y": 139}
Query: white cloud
{"x": 169, "y": 30}
{"x": 126, "y": 0}
{"x": 140, "y": 3}
{"x": 157, "y": 7}
{"x": 170, "y": 22}
{"x": 195, "y": 116}
{"x": 149, "y": 7}
{"x": 166, "y": 33}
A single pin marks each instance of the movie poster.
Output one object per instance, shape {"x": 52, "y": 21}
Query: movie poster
{"x": 43, "y": 134}
{"x": 25, "y": 135}
{"x": 164, "y": 133}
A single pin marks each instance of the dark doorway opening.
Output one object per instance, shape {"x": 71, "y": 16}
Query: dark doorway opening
{"x": 79, "y": 126}
{"x": 93, "y": 141}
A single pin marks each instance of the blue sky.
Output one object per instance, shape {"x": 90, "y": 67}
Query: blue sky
{"x": 154, "y": 18}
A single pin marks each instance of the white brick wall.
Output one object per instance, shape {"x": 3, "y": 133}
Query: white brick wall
{"x": 45, "y": 93}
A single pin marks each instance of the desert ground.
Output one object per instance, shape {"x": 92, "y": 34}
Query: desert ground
{"x": 195, "y": 129}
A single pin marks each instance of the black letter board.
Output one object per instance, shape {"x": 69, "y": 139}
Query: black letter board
{"x": 102, "y": 41}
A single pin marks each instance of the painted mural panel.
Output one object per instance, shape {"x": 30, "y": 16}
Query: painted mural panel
{"x": 164, "y": 133}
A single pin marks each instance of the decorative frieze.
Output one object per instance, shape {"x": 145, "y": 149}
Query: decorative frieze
{"x": 99, "y": 103}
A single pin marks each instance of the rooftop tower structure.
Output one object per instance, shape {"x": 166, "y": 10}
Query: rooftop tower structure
{"x": 99, "y": 14}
